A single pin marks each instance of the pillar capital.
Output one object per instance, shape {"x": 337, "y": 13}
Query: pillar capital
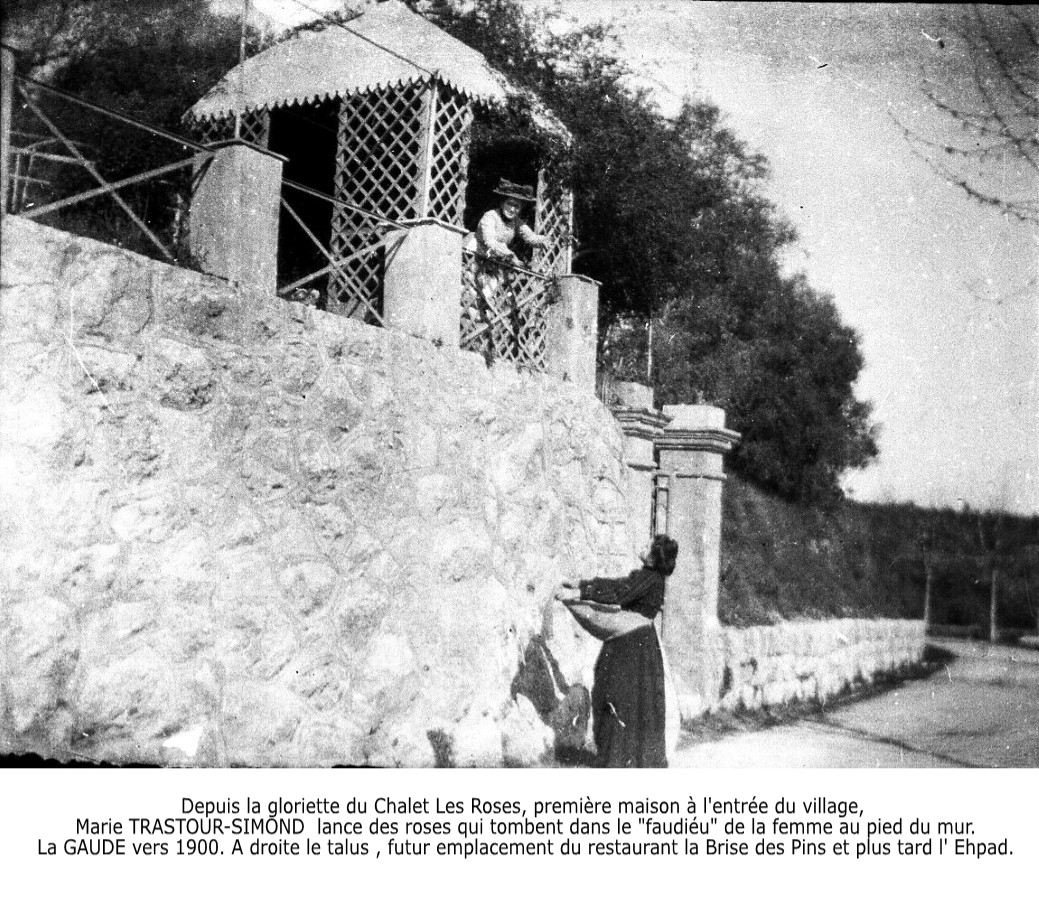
{"x": 631, "y": 404}
{"x": 643, "y": 423}
{"x": 697, "y": 428}
{"x": 248, "y": 145}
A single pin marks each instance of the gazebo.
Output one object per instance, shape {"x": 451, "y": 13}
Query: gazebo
{"x": 373, "y": 119}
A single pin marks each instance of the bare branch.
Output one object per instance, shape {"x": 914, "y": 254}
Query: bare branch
{"x": 998, "y": 115}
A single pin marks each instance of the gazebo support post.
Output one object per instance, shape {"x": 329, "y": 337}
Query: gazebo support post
{"x": 426, "y": 148}
{"x": 6, "y": 92}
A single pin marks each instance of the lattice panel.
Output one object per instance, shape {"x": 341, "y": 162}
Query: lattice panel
{"x": 357, "y": 284}
{"x": 212, "y": 130}
{"x": 256, "y": 127}
{"x": 449, "y": 163}
{"x": 510, "y": 325}
{"x": 379, "y": 158}
{"x": 379, "y": 154}
{"x": 553, "y": 217}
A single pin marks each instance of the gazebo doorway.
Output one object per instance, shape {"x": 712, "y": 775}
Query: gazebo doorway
{"x": 307, "y": 140}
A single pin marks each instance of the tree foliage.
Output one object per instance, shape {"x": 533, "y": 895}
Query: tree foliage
{"x": 150, "y": 59}
{"x": 661, "y": 203}
{"x": 783, "y": 368}
{"x": 142, "y": 48}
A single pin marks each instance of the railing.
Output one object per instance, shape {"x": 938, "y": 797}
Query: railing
{"x": 90, "y": 170}
{"x": 87, "y": 169}
{"x": 504, "y": 311}
{"x": 347, "y": 283}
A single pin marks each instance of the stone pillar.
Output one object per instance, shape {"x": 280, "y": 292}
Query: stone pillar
{"x": 6, "y": 92}
{"x": 234, "y": 215}
{"x": 573, "y": 331}
{"x": 692, "y": 448}
{"x": 422, "y": 284}
{"x": 632, "y": 406}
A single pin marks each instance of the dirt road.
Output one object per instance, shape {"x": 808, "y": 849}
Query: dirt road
{"x": 980, "y": 710}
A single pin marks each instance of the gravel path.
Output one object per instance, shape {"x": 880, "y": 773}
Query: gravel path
{"x": 981, "y": 710}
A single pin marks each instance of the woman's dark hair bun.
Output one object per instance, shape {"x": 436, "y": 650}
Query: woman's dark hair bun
{"x": 663, "y": 552}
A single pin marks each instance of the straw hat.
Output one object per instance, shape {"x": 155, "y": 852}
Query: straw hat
{"x": 520, "y": 192}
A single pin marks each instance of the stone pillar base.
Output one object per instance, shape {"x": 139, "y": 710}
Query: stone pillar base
{"x": 422, "y": 288}
{"x": 573, "y": 331}
{"x": 234, "y": 216}
{"x": 692, "y": 448}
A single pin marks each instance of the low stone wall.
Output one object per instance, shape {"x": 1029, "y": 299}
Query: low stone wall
{"x": 761, "y": 666}
{"x": 239, "y": 531}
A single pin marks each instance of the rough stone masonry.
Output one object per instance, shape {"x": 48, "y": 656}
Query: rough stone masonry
{"x": 241, "y": 531}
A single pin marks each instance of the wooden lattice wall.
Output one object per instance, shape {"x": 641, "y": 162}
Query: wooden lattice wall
{"x": 402, "y": 152}
{"x": 554, "y": 217}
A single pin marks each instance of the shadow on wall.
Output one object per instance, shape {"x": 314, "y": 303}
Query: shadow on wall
{"x": 564, "y": 707}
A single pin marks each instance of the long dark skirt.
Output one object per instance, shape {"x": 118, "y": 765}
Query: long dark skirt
{"x": 628, "y": 712}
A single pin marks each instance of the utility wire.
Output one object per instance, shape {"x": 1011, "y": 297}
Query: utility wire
{"x": 327, "y": 19}
{"x": 187, "y": 142}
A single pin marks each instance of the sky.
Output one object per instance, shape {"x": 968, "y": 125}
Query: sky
{"x": 944, "y": 292}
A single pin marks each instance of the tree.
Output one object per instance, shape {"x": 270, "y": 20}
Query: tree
{"x": 996, "y": 110}
{"x": 777, "y": 358}
{"x": 147, "y": 58}
{"x": 44, "y": 31}
{"x": 51, "y": 33}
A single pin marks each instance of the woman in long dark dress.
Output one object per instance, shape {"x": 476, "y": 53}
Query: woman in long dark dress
{"x": 628, "y": 707}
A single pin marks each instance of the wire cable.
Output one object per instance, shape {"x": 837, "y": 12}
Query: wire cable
{"x": 330, "y": 21}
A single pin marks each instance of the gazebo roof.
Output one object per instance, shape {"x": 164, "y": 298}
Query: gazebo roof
{"x": 338, "y": 61}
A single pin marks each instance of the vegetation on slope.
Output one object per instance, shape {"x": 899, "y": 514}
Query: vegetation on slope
{"x": 786, "y": 561}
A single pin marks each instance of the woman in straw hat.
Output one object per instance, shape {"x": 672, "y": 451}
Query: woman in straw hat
{"x": 498, "y": 231}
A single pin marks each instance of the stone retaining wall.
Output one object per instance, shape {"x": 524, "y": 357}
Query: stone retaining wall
{"x": 238, "y": 530}
{"x": 761, "y": 666}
